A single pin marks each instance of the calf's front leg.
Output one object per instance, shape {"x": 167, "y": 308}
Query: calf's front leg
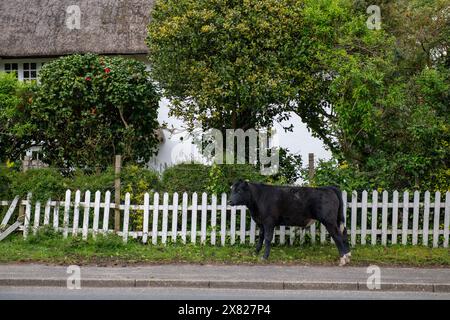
{"x": 260, "y": 239}
{"x": 268, "y": 235}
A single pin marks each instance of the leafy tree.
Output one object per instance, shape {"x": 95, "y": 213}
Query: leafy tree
{"x": 241, "y": 64}
{"x": 391, "y": 106}
{"x": 290, "y": 167}
{"x": 377, "y": 98}
{"x": 420, "y": 27}
{"x": 244, "y": 64}
{"x": 87, "y": 108}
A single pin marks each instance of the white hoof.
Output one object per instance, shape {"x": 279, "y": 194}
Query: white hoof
{"x": 342, "y": 261}
{"x": 347, "y": 257}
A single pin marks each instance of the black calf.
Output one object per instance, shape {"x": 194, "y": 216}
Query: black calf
{"x": 272, "y": 206}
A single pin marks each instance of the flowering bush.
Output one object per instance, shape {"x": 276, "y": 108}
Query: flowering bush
{"x": 90, "y": 107}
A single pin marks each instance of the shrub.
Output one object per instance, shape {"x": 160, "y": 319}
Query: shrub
{"x": 186, "y": 177}
{"x": 15, "y": 125}
{"x": 350, "y": 177}
{"x": 90, "y": 107}
{"x": 138, "y": 181}
{"x": 42, "y": 183}
{"x": 248, "y": 172}
{"x": 344, "y": 176}
{"x": 84, "y": 181}
{"x": 289, "y": 169}
{"x": 48, "y": 183}
{"x": 217, "y": 183}
{"x": 5, "y": 182}
{"x": 193, "y": 177}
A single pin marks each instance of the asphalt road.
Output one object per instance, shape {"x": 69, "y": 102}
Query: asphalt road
{"x": 57, "y": 293}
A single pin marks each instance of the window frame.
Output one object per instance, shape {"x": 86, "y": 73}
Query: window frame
{"x": 25, "y": 65}
{"x": 11, "y": 69}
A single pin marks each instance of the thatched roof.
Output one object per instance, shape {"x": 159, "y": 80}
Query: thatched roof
{"x": 35, "y": 28}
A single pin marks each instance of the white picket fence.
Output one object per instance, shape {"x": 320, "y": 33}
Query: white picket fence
{"x": 410, "y": 220}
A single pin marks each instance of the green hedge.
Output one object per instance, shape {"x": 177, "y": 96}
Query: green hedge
{"x": 42, "y": 183}
{"x": 48, "y": 183}
{"x": 194, "y": 177}
{"x": 186, "y": 177}
{"x": 350, "y": 177}
{"x": 5, "y": 182}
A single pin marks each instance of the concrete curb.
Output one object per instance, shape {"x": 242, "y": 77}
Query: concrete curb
{"x": 321, "y": 286}
{"x": 227, "y": 284}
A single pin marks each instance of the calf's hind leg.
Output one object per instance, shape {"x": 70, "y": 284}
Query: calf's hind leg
{"x": 339, "y": 240}
{"x": 348, "y": 253}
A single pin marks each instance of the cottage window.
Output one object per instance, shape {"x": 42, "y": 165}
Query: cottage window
{"x": 12, "y": 67}
{"x": 29, "y": 71}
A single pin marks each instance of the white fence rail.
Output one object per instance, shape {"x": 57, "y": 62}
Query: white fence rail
{"x": 375, "y": 218}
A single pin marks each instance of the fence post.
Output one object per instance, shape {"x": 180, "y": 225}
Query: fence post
{"x": 405, "y": 218}
{"x": 416, "y": 218}
{"x": 353, "y": 217}
{"x": 155, "y": 218}
{"x": 204, "y": 218}
{"x": 364, "y": 217}
{"x": 165, "y": 217}
{"x": 194, "y": 218}
{"x": 145, "y": 219}
{"x": 27, "y": 217}
{"x": 310, "y": 167}
{"x": 175, "y": 218}
{"x": 373, "y": 237}
{"x": 25, "y": 166}
{"x": 37, "y": 214}
{"x": 446, "y": 219}
{"x": 96, "y": 213}
{"x": 184, "y": 217}
{"x": 66, "y": 214}
{"x": 394, "y": 217}
{"x": 223, "y": 219}
{"x": 213, "y": 219}
{"x": 126, "y": 218}
{"x": 106, "y": 212}
{"x": 426, "y": 218}
{"x": 437, "y": 212}
{"x": 384, "y": 217}
{"x": 76, "y": 212}
{"x": 26, "y": 163}
{"x": 117, "y": 168}
{"x": 87, "y": 203}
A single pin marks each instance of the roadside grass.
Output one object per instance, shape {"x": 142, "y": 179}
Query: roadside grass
{"x": 51, "y": 248}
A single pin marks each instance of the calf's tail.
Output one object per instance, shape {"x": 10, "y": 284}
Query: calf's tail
{"x": 340, "y": 215}
{"x": 341, "y": 221}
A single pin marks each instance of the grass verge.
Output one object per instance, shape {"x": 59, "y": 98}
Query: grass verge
{"x": 47, "y": 247}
